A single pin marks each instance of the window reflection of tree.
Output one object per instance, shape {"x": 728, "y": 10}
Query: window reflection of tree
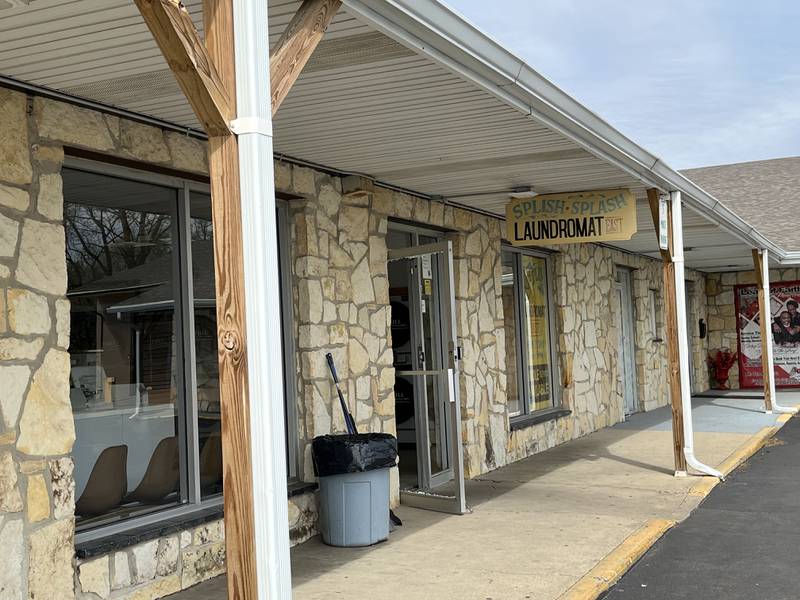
{"x": 102, "y": 241}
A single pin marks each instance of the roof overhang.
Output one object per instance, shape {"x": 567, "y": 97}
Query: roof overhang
{"x": 404, "y": 91}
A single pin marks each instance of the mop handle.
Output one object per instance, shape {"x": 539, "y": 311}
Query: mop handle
{"x": 348, "y": 418}
{"x": 332, "y": 367}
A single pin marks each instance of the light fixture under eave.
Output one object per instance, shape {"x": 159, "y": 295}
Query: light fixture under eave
{"x": 523, "y": 192}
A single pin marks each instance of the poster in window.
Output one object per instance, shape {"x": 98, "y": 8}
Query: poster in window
{"x": 784, "y": 333}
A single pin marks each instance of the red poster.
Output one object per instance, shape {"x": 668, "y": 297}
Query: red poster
{"x": 784, "y": 329}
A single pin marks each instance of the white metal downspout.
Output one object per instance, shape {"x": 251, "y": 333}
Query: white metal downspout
{"x": 262, "y": 299}
{"x": 683, "y": 339}
{"x": 767, "y": 316}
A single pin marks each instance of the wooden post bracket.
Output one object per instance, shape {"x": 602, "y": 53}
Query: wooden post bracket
{"x": 188, "y": 59}
{"x": 296, "y": 45}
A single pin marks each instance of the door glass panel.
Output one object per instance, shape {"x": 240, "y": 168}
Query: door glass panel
{"x": 125, "y": 346}
{"x": 402, "y": 347}
{"x": 430, "y": 359}
{"x": 534, "y": 290}
{"x": 420, "y": 398}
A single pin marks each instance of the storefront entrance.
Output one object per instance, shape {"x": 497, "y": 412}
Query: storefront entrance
{"x": 426, "y": 394}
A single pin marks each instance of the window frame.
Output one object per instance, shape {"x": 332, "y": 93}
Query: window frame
{"x": 191, "y": 501}
{"x": 521, "y": 348}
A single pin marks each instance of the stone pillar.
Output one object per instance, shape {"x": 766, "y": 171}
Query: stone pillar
{"x": 36, "y": 430}
{"x": 341, "y": 304}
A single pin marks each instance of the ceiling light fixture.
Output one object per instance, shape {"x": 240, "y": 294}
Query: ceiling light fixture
{"x": 523, "y": 192}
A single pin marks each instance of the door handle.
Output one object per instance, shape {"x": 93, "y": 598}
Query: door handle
{"x": 421, "y": 357}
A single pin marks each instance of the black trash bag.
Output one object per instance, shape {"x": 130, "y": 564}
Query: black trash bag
{"x": 339, "y": 454}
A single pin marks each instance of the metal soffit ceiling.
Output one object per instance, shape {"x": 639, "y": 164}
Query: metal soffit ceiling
{"x": 365, "y": 103}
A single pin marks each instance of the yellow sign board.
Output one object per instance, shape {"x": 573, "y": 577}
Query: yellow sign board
{"x": 572, "y": 218}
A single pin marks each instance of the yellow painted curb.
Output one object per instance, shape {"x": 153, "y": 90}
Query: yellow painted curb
{"x": 737, "y": 457}
{"x": 618, "y": 561}
{"x": 703, "y": 487}
{"x": 746, "y": 450}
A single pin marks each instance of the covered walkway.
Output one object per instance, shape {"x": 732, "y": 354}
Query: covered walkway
{"x": 537, "y": 526}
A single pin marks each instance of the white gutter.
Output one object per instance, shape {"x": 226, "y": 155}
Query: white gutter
{"x": 684, "y": 359}
{"x": 253, "y": 127}
{"x": 437, "y": 32}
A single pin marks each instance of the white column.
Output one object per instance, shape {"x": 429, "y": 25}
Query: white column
{"x": 262, "y": 299}
{"x": 767, "y": 316}
{"x": 683, "y": 338}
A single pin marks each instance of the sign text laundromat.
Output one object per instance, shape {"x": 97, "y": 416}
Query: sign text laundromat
{"x": 606, "y": 215}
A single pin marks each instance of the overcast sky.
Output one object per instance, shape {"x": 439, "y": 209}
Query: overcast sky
{"x": 696, "y": 82}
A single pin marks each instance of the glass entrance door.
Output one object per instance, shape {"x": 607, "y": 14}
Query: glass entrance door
{"x": 424, "y": 344}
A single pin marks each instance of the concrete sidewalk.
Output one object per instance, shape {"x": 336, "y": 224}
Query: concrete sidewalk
{"x": 537, "y": 525}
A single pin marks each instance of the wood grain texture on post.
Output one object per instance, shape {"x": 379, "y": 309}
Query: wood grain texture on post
{"x": 231, "y": 323}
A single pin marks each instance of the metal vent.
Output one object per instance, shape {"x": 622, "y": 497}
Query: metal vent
{"x": 121, "y": 91}
{"x": 360, "y": 49}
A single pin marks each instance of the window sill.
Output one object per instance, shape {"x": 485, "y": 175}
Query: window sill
{"x": 550, "y": 414}
{"x": 145, "y": 533}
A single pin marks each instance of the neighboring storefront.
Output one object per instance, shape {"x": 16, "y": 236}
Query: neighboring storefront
{"x": 757, "y": 191}
{"x": 733, "y": 325}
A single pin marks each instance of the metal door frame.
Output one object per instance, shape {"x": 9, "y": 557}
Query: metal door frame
{"x": 447, "y": 375}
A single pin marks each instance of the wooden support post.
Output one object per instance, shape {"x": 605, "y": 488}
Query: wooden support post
{"x": 765, "y": 327}
{"x": 296, "y": 44}
{"x": 206, "y": 73}
{"x": 671, "y": 335}
{"x": 231, "y": 324}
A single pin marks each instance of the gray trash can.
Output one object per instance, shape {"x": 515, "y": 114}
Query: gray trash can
{"x": 353, "y": 473}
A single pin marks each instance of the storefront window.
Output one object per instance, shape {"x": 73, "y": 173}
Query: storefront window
{"x": 535, "y": 330}
{"x": 526, "y": 309}
{"x": 144, "y": 382}
{"x": 125, "y": 348}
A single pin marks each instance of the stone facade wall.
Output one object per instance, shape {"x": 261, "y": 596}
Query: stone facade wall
{"x": 155, "y": 568}
{"x": 341, "y": 304}
{"x": 722, "y": 310}
{"x": 173, "y": 562}
{"x": 587, "y": 348}
{"x": 36, "y": 431}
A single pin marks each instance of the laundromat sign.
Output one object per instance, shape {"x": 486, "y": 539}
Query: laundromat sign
{"x": 572, "y": 218}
